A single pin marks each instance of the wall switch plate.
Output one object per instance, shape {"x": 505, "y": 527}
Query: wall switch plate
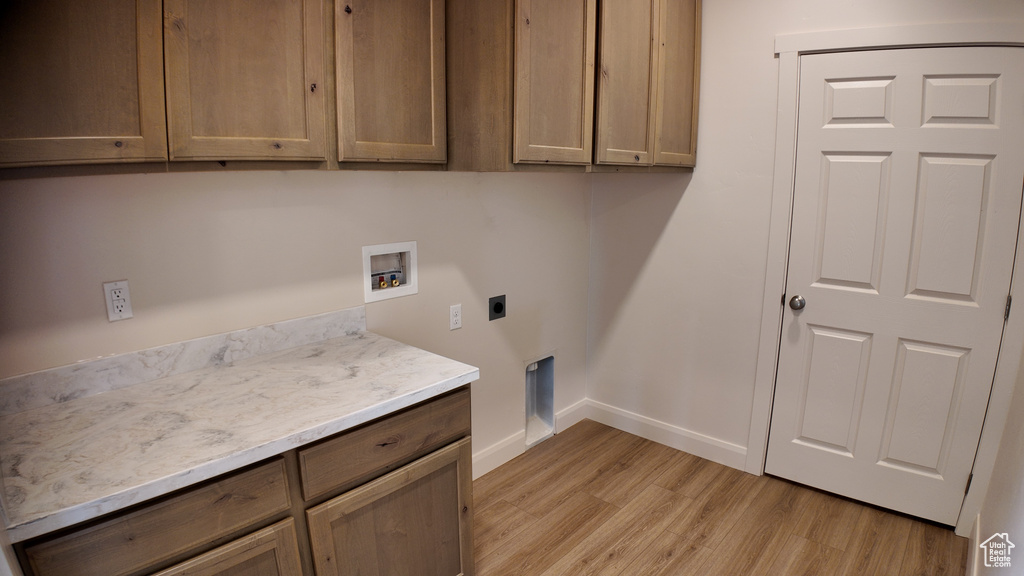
{"x": 119, "y": 301}
{"x": 455, "y": 317}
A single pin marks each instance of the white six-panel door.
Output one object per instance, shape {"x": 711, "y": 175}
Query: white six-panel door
{"x": 907, "y": 200}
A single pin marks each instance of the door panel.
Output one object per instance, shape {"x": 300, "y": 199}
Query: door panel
{"x": 852, "y": 225}
{"x": 906, "y": 206}
{"x": 834, "y": 388}
{"x": 948, "y": 224}
{"x": 925, "y": 392}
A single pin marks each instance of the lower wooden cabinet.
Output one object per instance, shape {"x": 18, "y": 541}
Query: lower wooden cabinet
{"x": 415, "y": 521}
{"x": 393, "y": 496}
{"x": 272, "y": 551}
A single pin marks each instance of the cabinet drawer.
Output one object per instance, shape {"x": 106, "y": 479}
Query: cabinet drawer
{"x": 131, "y": 542}
{"x": 362, "y": 454}
{"x": 273, "y": 551}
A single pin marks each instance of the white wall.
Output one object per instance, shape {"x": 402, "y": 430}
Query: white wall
{"x": 1003, "y": 508}
{"x": 210, "y": 252}
{"x": 678, "y": 263}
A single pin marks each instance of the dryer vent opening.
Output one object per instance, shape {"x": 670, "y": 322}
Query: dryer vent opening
{"x": 540, "y": 401}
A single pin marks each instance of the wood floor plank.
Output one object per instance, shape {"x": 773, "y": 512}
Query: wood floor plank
{"x": 689, "y": 475}
{"x": 549, "y": 490}
{"x": 767, "y": 523}
{"x": 713, "y": 514}
{"x": 828, "y": 520}
{"x": 533, "y": 551}
{"x": 802, "y": 557}
{"x": 934, "y": 551}
{"x": 617, "y": 542}
{"x": 496, "y": 524}
{"x": 878, "y": 544}
{"x": 669, "y": 555}
{"x": 632, "y": 473}
{"x": 547, "y": 459}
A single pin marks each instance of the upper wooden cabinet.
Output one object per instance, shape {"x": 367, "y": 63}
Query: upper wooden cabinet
{"x": 678, "y": 83}
{"x": 646, "y": 97}
{"x": 619, "y": 88}
{"x": 628, "y": 82}
{"x": 245, "y": 79}
{"x": 554, "y": 82}
{"x": 82, "y": 82}
{"x": 390, "y": 74}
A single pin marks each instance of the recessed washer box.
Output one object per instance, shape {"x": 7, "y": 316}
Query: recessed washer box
{"x": 389, "y": 271}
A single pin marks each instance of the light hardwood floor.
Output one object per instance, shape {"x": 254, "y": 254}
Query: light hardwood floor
{"x": 595, "y": 500}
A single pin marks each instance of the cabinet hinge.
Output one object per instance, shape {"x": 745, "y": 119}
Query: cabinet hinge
{"x": 1009, "y": 301}
{"x": 969, "y": 480}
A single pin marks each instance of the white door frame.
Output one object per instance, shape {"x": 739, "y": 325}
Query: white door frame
{"x": 788, "y": 49}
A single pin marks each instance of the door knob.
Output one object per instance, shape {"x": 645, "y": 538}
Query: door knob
{"x": 797, "y": 302}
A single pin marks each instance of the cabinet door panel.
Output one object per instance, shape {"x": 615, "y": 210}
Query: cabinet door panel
{"x": 627, "y": 82}
{"x": 679, "y": 61}
{"x": 82, "y": 82}
{"x": 391, "y": 80}
{"x": 244, "y": 79}
{"x": 554, "y": 86}
{"x": 415, "y": 521}
{"x": 273, "y": 551}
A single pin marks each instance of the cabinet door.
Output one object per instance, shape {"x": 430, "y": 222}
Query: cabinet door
{"x": 245, "y": 79}
{"x": 627, "y": 83}
{"x": 415, "y": 521}
{"x": 678, "y": 89}
{"x": 391, "y": 81}
{"x": 272, "y": 551}
{"x": 554, "y": 81}
{"x": 82, "y": 82}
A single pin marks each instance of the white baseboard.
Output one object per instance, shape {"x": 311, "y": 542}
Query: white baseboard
{"x": 706, "y": 447}
{"x": 713, "y": 449}
{"x": 497, "y": 454}
{"x": 572, "y": 415}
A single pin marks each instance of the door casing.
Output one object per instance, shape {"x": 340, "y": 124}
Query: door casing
{"x": 788, "y": 49}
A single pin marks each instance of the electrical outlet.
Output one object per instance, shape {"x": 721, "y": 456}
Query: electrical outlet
{"x": 496, "y": 307}
{"x": 455, "y": 317}
{"x": 119, "y": 301}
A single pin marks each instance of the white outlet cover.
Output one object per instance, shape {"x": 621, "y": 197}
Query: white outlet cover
{"x": 119, "y": 300}
{"x": 455, "y": 317}
{"x": 412, "y": 278}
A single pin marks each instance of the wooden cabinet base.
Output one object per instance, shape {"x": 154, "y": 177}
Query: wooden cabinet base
{"x": 417, "y": 519}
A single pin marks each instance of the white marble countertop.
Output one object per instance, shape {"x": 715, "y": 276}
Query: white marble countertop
{"x": 72, "y": 461}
